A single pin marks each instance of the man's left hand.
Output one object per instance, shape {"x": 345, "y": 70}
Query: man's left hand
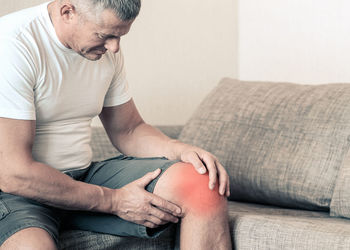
{"x": 204, "y": 161}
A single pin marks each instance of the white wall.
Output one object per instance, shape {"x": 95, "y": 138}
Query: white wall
{"x": 178, "y": 50}
{"x": 175, "y": 53}
{"x": 306, "y": 41}
{"x": 7, "y": 6}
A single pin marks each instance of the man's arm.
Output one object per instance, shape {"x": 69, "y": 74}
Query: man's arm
{"x": 21, "y": 175}
{"x": 132, "y": 136}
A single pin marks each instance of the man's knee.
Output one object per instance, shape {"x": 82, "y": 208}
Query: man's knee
{"x": 30, "y": 238}
{"x": 183, "y": 185}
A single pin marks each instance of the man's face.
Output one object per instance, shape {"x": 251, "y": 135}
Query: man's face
{"x": 91, "y": 38}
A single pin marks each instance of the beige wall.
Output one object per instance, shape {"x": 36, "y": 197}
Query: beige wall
{"x": 178, "y": 50}
{"x": 175, "y": 54}
{"x": 306, "y": 41}
{"x": 7, "y": 6}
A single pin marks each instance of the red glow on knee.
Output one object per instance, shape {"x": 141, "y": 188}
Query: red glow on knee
{"x": 193, "y": 189}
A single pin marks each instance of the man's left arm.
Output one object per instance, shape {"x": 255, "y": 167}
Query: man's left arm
{"x": 132, "y": 136}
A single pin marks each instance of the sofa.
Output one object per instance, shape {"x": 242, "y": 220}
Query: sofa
{"x": 286, "y": 149}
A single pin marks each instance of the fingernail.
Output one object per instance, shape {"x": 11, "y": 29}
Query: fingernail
{"x": 178, "y": 211}
{"x": 202, "y": 170}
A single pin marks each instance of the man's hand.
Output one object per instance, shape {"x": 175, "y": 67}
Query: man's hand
{"x": 137, "y": 205}
{"x": 132, "y": 136}
{"x": 203, "y": 161}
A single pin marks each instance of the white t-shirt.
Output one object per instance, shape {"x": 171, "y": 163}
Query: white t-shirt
{"x": 42, "y": 80}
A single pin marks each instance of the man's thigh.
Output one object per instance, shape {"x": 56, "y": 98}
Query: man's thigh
{"x": 18, "y": 213}
{"x": 121, "y": 170}
{"x": 116, "y": 173}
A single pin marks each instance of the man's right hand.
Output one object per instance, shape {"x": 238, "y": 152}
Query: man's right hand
{"x": 137, "y": 205}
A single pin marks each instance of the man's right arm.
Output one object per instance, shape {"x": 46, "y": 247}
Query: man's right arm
{"x": 21, "y": 175}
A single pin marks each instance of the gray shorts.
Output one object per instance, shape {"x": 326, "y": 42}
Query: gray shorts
{"x": 17, "y": 213}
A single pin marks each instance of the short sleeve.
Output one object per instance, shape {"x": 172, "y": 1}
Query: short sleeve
{"x": 17, "y": 81}
{"x": 118, "y": 92}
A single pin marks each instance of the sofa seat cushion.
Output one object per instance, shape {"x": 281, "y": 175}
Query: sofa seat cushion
{"x": 84, "y": 240}
{"x": 256, "y": 226}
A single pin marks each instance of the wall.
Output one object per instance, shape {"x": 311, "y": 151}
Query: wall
{"x": 175, "y": 53}
{"x": 304, "y": 41}
{"x": 178, "y": 50}
{"x": 7, "y": 6}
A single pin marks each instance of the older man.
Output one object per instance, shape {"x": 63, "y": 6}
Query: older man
{"x": 61, "y": 66}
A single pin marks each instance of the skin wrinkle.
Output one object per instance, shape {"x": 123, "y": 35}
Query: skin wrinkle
{"x": 83, "y": 35}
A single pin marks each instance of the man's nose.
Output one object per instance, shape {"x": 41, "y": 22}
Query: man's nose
{"x": 112, "y": 44}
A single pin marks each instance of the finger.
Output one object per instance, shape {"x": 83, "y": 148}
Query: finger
{"x": 223, "y": 178}
{"x": 228, "y": 192}
{"x": 150, "y": 224}
{"x": 147, "y": 178}
{"x": 163, "y": 216}
{"x": 228, "y": 186}
{"x": 165, "y": 205}
{"x": 210, "y": 162}
{"x": 155, "y": 220}
{"x": 194, "y": 159}
{"x": 223, "y": 183}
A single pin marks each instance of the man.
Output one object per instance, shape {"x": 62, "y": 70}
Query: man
{"x": 60, "y": 67}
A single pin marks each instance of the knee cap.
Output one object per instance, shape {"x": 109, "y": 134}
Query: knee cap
{"x": 193, "y": 190}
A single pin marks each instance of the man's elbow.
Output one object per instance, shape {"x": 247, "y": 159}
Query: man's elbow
{"x": 11, "y": 177}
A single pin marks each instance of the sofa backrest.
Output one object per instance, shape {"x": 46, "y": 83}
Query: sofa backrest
{"x": 282, "y": 143}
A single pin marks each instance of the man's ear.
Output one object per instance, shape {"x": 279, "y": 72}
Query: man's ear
{"x": 68, "y": 12}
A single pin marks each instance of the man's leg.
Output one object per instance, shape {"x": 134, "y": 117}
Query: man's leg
{"x": 116, "y": 173}
{"x": 27, "y": 224}
{"x": 30, "y": 239}
{"x": 205, "y": 222}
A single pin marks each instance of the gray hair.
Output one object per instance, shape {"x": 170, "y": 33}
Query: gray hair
{"x": 125, "y": 9}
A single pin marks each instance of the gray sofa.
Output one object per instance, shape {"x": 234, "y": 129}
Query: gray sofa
{"x": 286, "y": 149}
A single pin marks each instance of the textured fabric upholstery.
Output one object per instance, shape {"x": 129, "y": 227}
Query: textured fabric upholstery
{"x": 254, "y": 226}
{"x": 260, "y": 227}
{"x": 103, "y": 149}
{"x": 83, "y": 240}
{"x": 340, "y": 205}
{"x": 281, "y": 143}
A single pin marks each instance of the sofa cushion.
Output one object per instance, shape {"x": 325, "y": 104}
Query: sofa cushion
{"x": 265, "y": 227}
{"x": 103, "y": 149}
{"x": 281, "y": 143}
{"x": 340, "y": 204}
{"x": 83, "y": 240}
